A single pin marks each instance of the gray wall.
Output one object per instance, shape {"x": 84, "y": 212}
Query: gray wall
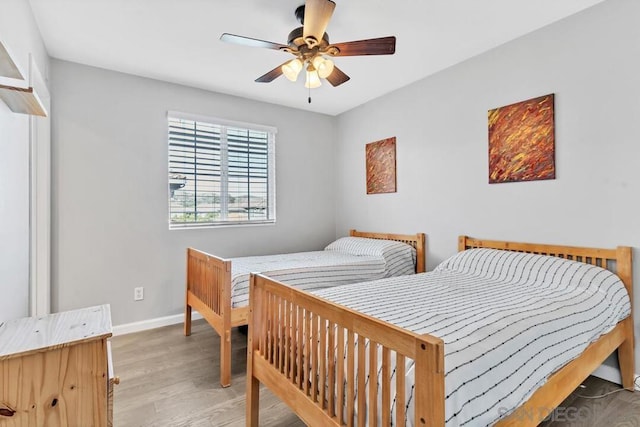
{"x": 19, "y": 32}
{"x": 109, "y": 161}
{"x": 591, "y": 62}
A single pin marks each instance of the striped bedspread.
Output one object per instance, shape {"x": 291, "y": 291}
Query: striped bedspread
{"x": 345, "y": 261}
{"x": 508, "y": 320}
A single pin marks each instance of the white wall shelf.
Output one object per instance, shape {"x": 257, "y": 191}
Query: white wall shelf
{"x": 22, "y": 100}
{"x": 8, "y": 68}
{"x": 19, "y": 95}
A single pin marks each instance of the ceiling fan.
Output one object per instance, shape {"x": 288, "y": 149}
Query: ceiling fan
{"x": 311, "y": 48}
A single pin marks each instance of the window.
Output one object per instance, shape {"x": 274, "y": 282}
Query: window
{"x": 220, "y": 172}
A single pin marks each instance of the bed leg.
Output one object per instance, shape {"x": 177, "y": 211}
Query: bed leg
{"x": 225, "y": 358}
{"x": 626, "y": 358}
{"x": 187, "y": 307}
{"x": 187, "y": 320}
{"x": 253, "y": 401}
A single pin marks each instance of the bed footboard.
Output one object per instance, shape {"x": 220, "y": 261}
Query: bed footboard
{"x": 208, "y": 291}
{"x": 317, "y": 356}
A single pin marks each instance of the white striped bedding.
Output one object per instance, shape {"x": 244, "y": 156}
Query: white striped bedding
{"x": 347, "y": 260}
{"x": 508, "y": 321}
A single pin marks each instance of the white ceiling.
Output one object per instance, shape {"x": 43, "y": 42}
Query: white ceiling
{"x": 178, "y": 40}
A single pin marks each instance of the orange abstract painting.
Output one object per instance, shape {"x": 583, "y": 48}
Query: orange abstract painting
{"x": 381, "y": 166}
{"x": 522, "y": 141}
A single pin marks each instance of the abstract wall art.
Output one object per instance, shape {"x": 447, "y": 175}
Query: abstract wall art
{"x": 522, "y": 141}
{"x": 381, "y": 166}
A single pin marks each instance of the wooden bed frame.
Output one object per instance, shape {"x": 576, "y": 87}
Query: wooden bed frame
{"x": 288, "y": 354}
{"x": 208, "y": 291}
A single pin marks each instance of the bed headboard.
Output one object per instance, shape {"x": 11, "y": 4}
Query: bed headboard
{"x": 617, "y": 260}
{"x": 418, "y": 241}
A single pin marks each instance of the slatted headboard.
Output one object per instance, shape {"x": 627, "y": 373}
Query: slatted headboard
{"x": 617, "y": 260}
{"x": 418, "y": 241}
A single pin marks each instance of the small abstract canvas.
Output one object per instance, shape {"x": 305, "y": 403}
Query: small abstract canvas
{"x": 522, "y": 141}
{"x": 381, "y": 166}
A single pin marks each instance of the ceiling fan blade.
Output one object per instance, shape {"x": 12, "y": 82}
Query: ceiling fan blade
{"x": 271, "y": 75}
{"x": 379, "y": 46}
{"x": 248, "y": 41}
{"x": 337, "y": 77}
{"x": 317, "y": 14}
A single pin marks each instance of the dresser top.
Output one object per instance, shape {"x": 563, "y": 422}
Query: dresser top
{"x": 35, "y": 334}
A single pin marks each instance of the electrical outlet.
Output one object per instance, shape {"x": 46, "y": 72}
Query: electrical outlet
{"x": 138, "y": 293}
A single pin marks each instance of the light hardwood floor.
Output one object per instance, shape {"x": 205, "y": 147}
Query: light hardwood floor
{"x": 167, "y": 379}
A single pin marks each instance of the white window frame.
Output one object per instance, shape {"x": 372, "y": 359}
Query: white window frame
{"x": 271, "y": 169}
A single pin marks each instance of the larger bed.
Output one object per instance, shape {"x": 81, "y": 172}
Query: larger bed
{"x": 499, "y": 334}
{"x": 218, "y": 288}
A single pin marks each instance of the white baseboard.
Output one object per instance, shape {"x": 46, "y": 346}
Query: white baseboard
{"x": 158, "y": 322}
{"x": 612, "y": 374}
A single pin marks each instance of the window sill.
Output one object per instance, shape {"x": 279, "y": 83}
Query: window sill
{"x": 174, "y": 227}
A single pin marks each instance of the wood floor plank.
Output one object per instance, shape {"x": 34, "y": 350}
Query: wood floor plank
{"x": 169, "y": 380}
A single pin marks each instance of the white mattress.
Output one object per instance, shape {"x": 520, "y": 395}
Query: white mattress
{"x": 345, "y": 261}
{"x": 508, "y": 321}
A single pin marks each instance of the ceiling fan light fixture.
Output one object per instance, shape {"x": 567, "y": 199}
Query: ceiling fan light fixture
{"x": 310, "y": 46}
{"x": 313, "y": 79}
{"x": 323, "y": 65}
{"x": 291, "y": 69}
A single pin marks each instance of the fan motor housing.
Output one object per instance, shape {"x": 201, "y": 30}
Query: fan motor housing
{"x": 296, "y": 39}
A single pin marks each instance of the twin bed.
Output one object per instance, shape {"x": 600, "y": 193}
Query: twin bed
{"x": 500, "y": 334}
{"x": 218, "y": 288}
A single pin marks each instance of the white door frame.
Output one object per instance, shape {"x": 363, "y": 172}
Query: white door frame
{"x": 40, "y": 202}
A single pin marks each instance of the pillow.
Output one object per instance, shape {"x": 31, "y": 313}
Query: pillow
{"x": 399, "y": 257}
{"x": 542, "y": 271}
{"x": 367, "y": 247}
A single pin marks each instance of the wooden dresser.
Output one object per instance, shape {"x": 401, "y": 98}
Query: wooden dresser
{"x": 54, "y": 370}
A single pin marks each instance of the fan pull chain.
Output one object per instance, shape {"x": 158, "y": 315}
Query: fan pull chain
{"x": 309, "y": 99}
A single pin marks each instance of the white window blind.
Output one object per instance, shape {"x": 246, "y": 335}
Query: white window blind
{"x": 220, "y": 172}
